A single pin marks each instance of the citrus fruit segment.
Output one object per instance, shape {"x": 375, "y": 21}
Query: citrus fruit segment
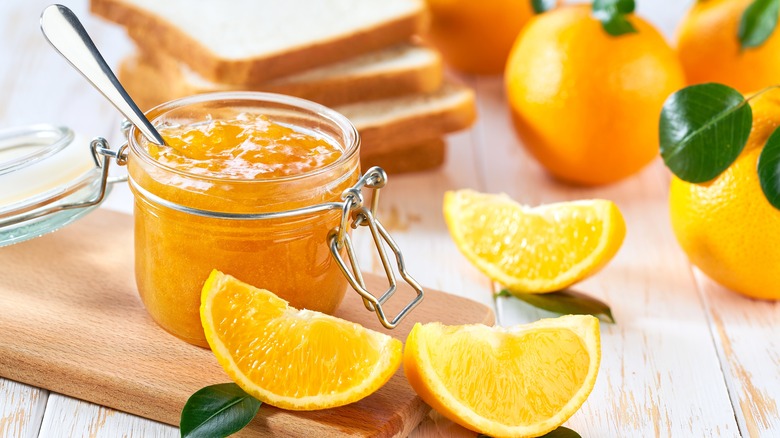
{"x": 536, "y": 250}
{"x": 520, "y": 381}
{"x": 292, "y": 359}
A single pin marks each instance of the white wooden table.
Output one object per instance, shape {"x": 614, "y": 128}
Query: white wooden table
{"x": 686, "y": 358}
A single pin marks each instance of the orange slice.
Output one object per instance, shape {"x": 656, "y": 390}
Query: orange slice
{"x": 534, "y": 250}
{"x": 292, "y": 359}
{"x": 521, "y": 381}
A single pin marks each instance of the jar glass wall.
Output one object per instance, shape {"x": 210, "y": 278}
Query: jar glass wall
{"x": 186, "y": 224}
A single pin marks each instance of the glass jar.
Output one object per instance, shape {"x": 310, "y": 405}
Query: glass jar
{"x": 290, "y": 235}
{"x": 187, "y": 224}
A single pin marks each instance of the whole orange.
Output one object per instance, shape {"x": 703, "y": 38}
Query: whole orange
{"x": 476, "y": 36}
{"x": 726, "y": 226}
{"x": 586, "y": 103}
{"x": 709, "y": 49}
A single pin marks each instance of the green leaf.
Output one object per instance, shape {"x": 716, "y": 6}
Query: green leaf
{"x": 217, "y": 411}
{"x": 758, "y": 22}
{"x": 565, "y": 302}
{"x": 769, "y": 169}
{"x": 541, "y": 6}
{"x": 560, "y": 432}
{"x": 703, "y": 129}
{"x": 613, "y": 15}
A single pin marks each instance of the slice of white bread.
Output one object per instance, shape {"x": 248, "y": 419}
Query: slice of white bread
{"x": 252, "y": 41}
{"x": 409, "y": 158}
{"x": 150, "y": 86}
{"x": 402, "y": 69}
{"x": 384, "y": 125}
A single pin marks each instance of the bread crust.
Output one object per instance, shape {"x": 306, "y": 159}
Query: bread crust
{"x": 416, "y": 128}
{"x": 416, "y": 157}
{"x": 341, "y": 91}
{"x": 154, "y": 31}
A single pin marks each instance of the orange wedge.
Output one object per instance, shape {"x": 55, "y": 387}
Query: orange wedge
{"x": 292, "y": 359}
{"x": 522, "y": 381}
{"x": 534, "y": 250}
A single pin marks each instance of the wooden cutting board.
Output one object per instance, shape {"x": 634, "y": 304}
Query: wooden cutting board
{"x": 72, "y": 322}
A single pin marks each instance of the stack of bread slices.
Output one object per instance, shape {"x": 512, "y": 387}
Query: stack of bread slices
{"x": 360, "y": 57}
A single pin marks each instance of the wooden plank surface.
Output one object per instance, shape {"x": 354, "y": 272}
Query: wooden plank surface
{"x": 746, "y": 335}
{"x": 74, "y": 324}
{"x": 652, "y": 382}
{"x": 69, "y": 417}
{"x": 21, "y": 409}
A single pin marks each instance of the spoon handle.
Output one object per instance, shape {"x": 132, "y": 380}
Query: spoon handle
{"x": 65, "y": 33}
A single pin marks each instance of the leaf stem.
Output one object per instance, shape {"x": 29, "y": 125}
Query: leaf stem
{"x": 760, "y": 92}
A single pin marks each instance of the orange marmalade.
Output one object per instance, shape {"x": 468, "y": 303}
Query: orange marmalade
{"x": 224, "y": 159}
{"x": 247, "y": 147}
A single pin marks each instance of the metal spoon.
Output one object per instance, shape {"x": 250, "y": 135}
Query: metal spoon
{"x": 66, "y": 34}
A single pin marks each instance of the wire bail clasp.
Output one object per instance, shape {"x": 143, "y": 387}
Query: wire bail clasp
{"x": 354, "y": 214}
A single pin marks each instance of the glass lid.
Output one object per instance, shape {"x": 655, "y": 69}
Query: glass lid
{"x": 47, "y": 178}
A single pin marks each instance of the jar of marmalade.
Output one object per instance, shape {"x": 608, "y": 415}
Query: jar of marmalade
{"x": 254, "y": 185}
{"x": 262, "y": 186}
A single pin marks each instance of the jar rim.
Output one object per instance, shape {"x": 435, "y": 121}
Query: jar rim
{"x": 49, "y": 140}
{"x": 347, "y": 129}
{"x": 32, "y": 184}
